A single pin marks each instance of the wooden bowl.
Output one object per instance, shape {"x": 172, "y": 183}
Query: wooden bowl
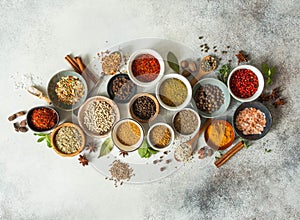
{"x": 131, "y": 112}
{"x": 57, "y": 150}
{"x": 211, "y": 144}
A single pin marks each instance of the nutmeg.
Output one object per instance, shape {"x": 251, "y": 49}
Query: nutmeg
{"x": 184, "y": 64}
{"x": 192, "y": 66}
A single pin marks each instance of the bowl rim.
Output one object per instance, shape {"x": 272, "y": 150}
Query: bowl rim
{"x": 262, "y": 108}
{"x": 221, "y": 86}
{"x": 109, "y": 88}
{"x": 50, "y": 92}
{"x": 86, "y": 103}
{"x": 198, "y": 126}
{"x": 153, "y": 53}
{"x": 29, "y": 113}
{"x": 261, "y": 82}
{"x": 211, "y": 144}
{"x": 53, "y": 134}
{"x": 138, "y": 144}
{"x": 186, "y": 83}
{"x": 171, "y": 140}
{"x": 132, "y": 100}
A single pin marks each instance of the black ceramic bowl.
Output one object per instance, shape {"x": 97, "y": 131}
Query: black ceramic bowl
{"x": 44, "y": 110}
{"x": 129, "y": 88}
{"x": 262, "y": 108}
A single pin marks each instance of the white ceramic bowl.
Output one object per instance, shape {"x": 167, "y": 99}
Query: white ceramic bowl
{"x": 186, "y": 83}
{"x": 260, "y": 78}
{"x": 141, "y": 52}
{"x": 198, "y": 125}
{"x": 121, "y": 146}
{"x": 171, "y": 139}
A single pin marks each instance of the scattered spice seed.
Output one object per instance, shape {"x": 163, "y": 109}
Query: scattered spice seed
{"x": 214, "y": 47}
{"x": 163, "y": 169}
{"x": 229, "y": 61}
{"x": 168, "y": 161}
{"x": 224, "y": 51}
{"x": 16, "y": 126}
{"x": 201, "y": 37}
{"x": 215, "y": 50}
{"x": 228, "y": 46}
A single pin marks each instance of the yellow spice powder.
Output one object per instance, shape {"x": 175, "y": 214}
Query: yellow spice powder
{"x": 219, "y": 133}
{"x": 128, "y": 133}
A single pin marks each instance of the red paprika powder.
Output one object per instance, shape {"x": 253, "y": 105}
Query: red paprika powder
{"x": 243, "y": 83}
{"x": 145, "y": 68}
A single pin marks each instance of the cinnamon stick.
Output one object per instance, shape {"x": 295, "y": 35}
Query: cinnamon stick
{"x": 80, "y": 64}
{"x": 236, "y": 148}
{"x": 73, "y": 64}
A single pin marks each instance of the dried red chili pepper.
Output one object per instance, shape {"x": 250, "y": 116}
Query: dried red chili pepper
{"x": 43, "y": 118}
{"x": 243, "y": 83}
{"x": 145, "y": 68}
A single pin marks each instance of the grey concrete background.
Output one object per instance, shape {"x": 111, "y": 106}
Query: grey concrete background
{"x": 37, "y": 184}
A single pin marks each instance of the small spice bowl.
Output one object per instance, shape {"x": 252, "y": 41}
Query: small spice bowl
{"x": 267, "y": 120}
{"x": 217, "y": 85}
{"x": 243, "y": 77}
{"x": 160, "y": 136}
{"x": 173, "y": 92}
{"x": 120, "y": 88}
{"x": 144, "y": 107}
{"x": 76, "y": 90}
{"x": 42, "y": 118}
{"x": 186, "y": 122}
{"x": 219, "y": 135}
{"x": 139, "y": 71}
{"x": 67, "y": 139}
{"x": 127, "y": 134}
{"x": 93, "y": 111}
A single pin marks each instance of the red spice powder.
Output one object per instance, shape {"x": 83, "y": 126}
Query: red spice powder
{"x": 243, "y": 83}
{"x": 43, "y": 118}
{"x": 145, "y": 68}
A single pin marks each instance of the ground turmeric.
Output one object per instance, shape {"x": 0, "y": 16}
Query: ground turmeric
{"x": 220, "y": 133}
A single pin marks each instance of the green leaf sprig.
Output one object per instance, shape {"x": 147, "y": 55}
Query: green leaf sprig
{"x": 245, "y": 143}
{"x": 224, "y": 72}
{"x": 267, "y": 150}
{"x": 106, "y": 147}
{"x": 268, "y": 72}
{"x": 173, "y": 62}
{"x": 145, "y": 151}
{"x": 44, "y": 136}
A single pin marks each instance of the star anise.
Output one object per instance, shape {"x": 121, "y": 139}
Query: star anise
{"x": 279, "y": 102}
{"x": 241, "y": 57}
{"x": 83, "y": 160}
{"x": 276, "y": 93}
{"x": 91, "y": 147}
{"x": 123, "y": 153}
{"x": 264, "y": 97}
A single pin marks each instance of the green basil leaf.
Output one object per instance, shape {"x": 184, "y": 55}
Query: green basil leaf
{"x": 49, "y": 144}
{"x": 173, "y": 62}
{"x": 106, "y": 147}
{"x": 41, "y": 139}
{"x": 40, "y": 134}
{"x": 152, "y": 151}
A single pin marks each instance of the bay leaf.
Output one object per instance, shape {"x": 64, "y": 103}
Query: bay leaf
{"x": 106, "y": 147}
{"x": 173, "y": 62}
